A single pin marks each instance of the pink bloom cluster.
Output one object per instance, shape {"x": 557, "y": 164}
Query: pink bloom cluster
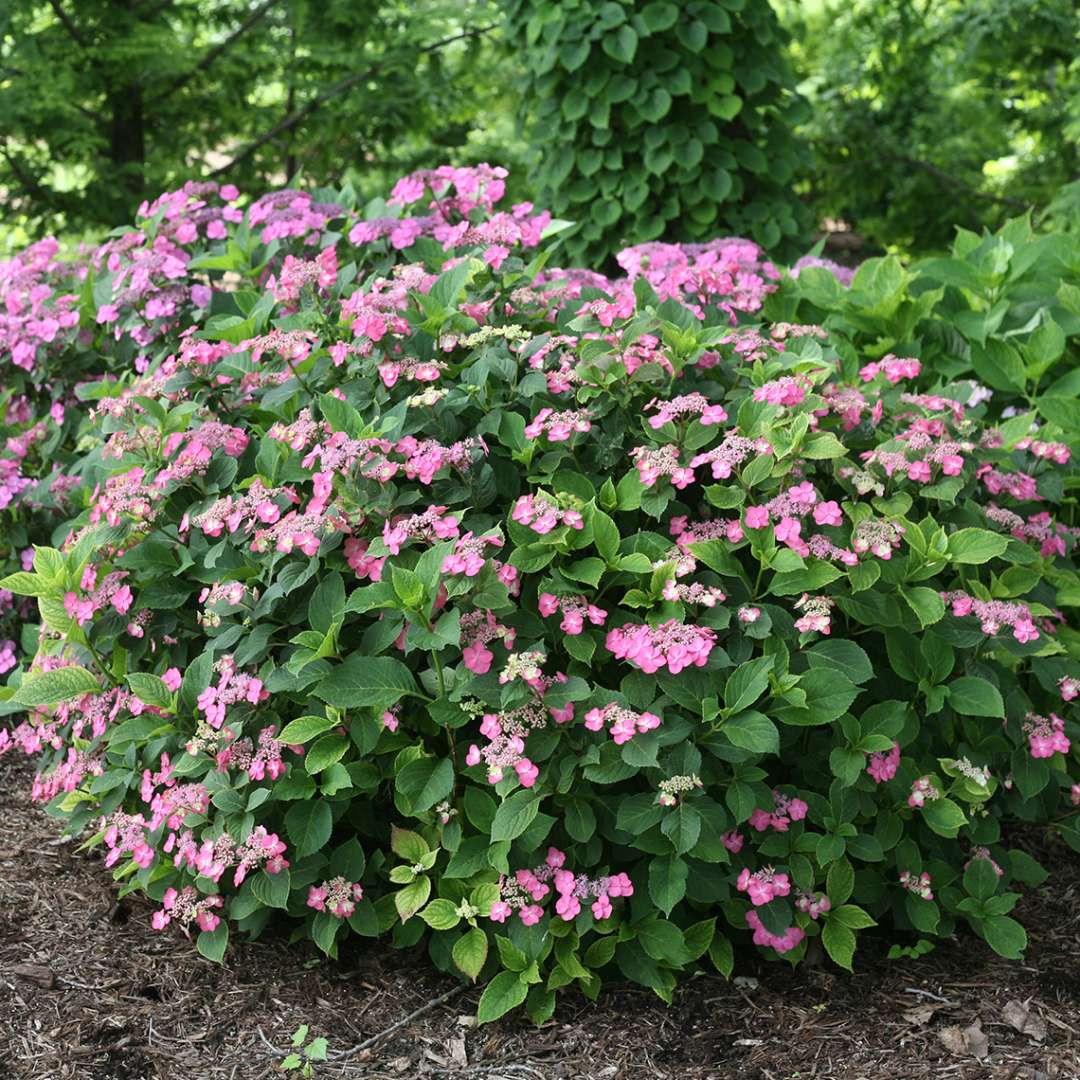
{"x": 816, "y": 614}
{"x": 558, "y": 426}
{"x": 185, "y": 906}
{"x": 468, "y": 555}
{"x": 788, "y": 391}
{"x": 1069, "y": 687}
{"x": 622, "y": 723}
{"x": 894, "y": 368}
{"x": 1051, "y": 451}
{"x": 1046, "y": 735}
{"x": 575, "y": 609}
{"x": 923, "y": 790}
{"x": 652, "y": 464}
{"x": 338, "y": 896}
{"x": 523, "y": 892}
{"x": 672, "y": 644}
{"x": 883, "y": 765}
{"x": 917, "y": 884}
{"x": 433, "y": 524}
{"x": 478, "y": 628}
{"x": 730, "y": 454}
{"x": 994, "y": 614}
{"x": 683, "y": 407}
{"x": 813, "y": 904}
{"x": 763, "y": 886}
{"x": 787, "y": 808}
{"x": 790, "y": 939}
{"x": 233, "y": 686}
{"x": 542, "y": 514}
{"x": 506, "y": 733}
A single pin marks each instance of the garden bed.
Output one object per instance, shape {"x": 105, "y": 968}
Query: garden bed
{"x": 89, "y": 992}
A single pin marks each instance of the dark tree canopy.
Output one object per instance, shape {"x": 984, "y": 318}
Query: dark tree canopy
{"x": 928, "y": 114}
{"x": 106, "y": 102}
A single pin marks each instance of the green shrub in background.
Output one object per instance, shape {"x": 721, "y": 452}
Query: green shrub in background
{"x": 661, "y": 120}
{"x": 928, "y": 115}
{"x": 999, "y": 309}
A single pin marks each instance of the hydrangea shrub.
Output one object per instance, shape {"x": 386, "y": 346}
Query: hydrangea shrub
{"x": 579, "y": 627}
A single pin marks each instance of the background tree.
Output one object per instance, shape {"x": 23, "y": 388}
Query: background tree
{"x": 106, "y": 102}
{"x": 651, "y": 120}
{"x": 928, "y": 114}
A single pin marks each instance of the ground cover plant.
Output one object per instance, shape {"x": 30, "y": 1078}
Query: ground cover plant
{"x": 387, "y": 580}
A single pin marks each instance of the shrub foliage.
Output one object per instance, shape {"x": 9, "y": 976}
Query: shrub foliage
{"x": 389, "y": 582}
{"x": 661, "y": 119}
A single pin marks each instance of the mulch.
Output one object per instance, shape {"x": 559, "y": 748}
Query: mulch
{"x": 88, "y": 991}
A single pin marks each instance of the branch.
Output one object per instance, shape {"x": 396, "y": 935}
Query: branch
{"x": 217, "y": 50}
{"x": 960, "y": 185}
{"x": 35, "y": 189}
{"x": 294, "y": 118}
{"x": 69, "y": 26}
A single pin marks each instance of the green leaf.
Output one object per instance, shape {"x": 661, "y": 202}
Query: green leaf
{"x": 682, "y": 826}
{"x": 621, "y": 45}
{"x": 813, "y": 578}
{"x": 425, "y": 782}
{"x": 667, "y": 881}
{"x": 51, "y": 687}
{"x": 441, "y": 914}
{"x": 505, "y": 992}
{"x": 1005, "y": 936}
{"x": 663, "y": 940}
{"x": 407, "y": 844}
{"x": 747, "y": 683}
{"x": 514, "y": 815}
{"x": 213, "y": 943}
{"x": 308, "y": 825}
{"x": 973, "y": 547}
{"x": 944, "y": 817}
{"x": 605, "y": 536}
{"x": 973, "y": 696}
{"x": 980, "y": 879}
{"x": 470, "y": 952}
{"x": 852, "y": 916}
{"x": 752, "y": 731}
{"x": 25, "y": 584}
{"x": 846, "y": 657}
{"x": 325, "y": 752}
{"x": 828, "y": 695}
{"x": 840, "y": 881}
{"x": 366, "y": 680}
{"x": 927, "y": 604}
{"x": 412, "y": 898}
{"x": 272, "y": 889}
{"x": 839, "y": 942}
{"x": 304, "y": 729}
{"x": 150, "y": 690}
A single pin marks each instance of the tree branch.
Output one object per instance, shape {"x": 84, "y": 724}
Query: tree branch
{"x": 960, "y": 185}
{"x": 69, "y": 26}
{"x": 340, "y": 87}
{"x": 217, "y": 50}
{"x": 37, "y": 190}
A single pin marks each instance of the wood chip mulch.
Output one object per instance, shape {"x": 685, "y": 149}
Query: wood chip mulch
{"x": 88, "y": 991}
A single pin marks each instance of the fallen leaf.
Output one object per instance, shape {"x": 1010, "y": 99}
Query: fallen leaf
{"x": 37, "y": 974}
{"x": 976, "y": 1039}
{"x": 922, "y": 1014}
{"x": 457, "y": 1052}
{"x": 963, "y": 1041}
{"x": 1018, "y": 1015}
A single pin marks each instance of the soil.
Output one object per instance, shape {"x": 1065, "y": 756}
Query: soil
{"x": 88, "y": 991}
